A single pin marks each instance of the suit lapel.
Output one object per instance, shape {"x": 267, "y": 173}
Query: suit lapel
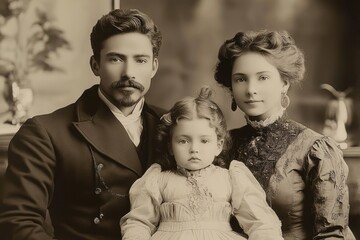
{"x": 105, "y": 133}
{"x": 150, "y": 125}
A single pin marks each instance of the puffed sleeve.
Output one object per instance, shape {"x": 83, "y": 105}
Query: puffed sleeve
{"x": 145, "y": 198}
{"x": 328, "y": 173}
{"x": 250, "y": 208}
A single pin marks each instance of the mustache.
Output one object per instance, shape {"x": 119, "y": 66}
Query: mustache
{"x": 129, "y": 83}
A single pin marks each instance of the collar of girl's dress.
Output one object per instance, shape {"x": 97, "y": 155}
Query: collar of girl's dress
{"x": 266, "y": 122}
{"x": 194, "y": 173}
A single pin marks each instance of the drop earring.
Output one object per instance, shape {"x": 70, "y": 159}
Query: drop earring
{"x": 233, "y": 105}
{"x": 285, "y": 100}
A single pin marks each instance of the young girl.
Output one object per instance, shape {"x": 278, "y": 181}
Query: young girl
{"x": 186, "y": 195}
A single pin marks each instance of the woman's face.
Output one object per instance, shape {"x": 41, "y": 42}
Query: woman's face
{"x": 257, "y": 86}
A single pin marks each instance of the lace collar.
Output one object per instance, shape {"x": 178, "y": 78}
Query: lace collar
{"x": 195, "y": 173}
{"x": 264, "y": 123}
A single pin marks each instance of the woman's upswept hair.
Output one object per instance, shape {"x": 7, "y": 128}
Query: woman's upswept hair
{"x": 278, "y": 46}
{"x": 124, "y": 21}
{"x": 190, "y": 108}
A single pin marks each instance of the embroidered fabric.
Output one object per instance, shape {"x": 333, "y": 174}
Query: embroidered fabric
{"x": 308, "y": 183}
{"x": 200, "y": 198}
{"x": 261, "y": 147}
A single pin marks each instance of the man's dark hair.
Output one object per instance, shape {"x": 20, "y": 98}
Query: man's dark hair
{"x": 124, "y": 21}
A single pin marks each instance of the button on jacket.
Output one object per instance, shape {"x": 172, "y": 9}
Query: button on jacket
{"x": 74, "y": 166}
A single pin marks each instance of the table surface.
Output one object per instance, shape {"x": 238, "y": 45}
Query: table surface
{"x": 352, "y": 152}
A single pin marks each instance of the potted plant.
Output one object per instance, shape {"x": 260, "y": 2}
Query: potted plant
{"x": 25, "y": 48}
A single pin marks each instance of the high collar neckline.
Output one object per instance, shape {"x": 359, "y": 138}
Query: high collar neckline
{"x": 194, "y": 173}
{"x": 266, "y": 122}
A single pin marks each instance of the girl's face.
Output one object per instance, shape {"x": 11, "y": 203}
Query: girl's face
{"x": 257, "y": 86}
{"x": 194, "y": 144}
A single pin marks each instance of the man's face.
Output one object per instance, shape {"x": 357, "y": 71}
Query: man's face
{"x": 126, "y": 67}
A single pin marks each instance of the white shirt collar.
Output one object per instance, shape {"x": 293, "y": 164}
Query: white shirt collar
{"x": 136, "y": 113}
{"x": 132, "y": 123}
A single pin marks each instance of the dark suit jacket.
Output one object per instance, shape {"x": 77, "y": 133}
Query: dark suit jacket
{"x": 77, "y": 164}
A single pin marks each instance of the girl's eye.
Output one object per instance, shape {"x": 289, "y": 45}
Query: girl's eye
{"x": 263, "y": 78}
{"x": 205, "y": 140}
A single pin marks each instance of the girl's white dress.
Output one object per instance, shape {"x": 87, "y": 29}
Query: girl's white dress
{"x": 198, "y": 205}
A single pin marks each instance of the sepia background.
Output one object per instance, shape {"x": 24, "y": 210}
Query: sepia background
{"x": 193, "y": 30}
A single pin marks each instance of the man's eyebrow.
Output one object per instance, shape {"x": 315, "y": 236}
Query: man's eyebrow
{"x": 143, "y": 55}
{"x": 125, "y": 56}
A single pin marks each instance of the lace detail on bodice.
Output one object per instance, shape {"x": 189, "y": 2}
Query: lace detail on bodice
{"x": 261, "y": 147}
{"x": 200, "y": 198}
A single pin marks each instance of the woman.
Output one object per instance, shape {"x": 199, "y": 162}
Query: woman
{"x": 303, "y": 173}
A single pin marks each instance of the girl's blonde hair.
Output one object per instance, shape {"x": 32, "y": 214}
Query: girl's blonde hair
{"x": 190, "y": 108}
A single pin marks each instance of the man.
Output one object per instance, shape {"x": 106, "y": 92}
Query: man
{"x": 75, "y": 166}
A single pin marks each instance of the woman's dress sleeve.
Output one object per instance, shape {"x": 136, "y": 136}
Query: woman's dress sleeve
{"x": 327, "y": 175}
{"x": 145, "y": 199}
{"x": 250, "y": 208}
